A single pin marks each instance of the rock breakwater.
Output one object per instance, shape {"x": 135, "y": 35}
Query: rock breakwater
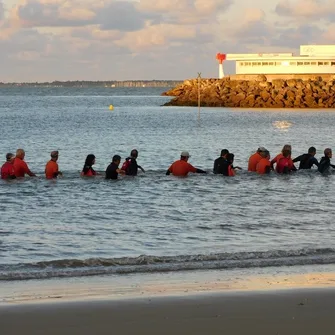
{"x": 258, "y": 92}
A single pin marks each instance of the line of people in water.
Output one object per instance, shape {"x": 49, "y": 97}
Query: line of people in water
{"x": 259, "y": 162}
{"x": 16, "y": 167}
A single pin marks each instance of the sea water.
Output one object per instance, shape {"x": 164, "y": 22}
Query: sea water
{"x": 76, "y": 227}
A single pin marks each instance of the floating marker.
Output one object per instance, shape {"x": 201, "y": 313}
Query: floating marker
{"x": 111, "y": 107}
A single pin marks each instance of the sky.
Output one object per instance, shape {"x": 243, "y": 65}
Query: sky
{"x": 46, "y": 40}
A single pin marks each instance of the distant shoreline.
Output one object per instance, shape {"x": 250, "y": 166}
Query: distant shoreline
{"x": 106, "y": 84}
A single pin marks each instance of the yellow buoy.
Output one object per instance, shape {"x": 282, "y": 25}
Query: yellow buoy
{"x": 111, "y": 107}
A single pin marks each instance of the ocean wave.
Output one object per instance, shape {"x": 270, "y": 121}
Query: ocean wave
{"x": 151, "y": 264}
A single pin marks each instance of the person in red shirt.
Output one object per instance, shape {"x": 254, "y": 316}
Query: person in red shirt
{"x": 20, "y": 166}
{"x": 264, "y": 165}
{"x": 284, "y": 163}
{"x": 255, "y": 159}
{"x": 279, "y": 156}
{"x": 51, "y": 168}
{"x": 228, "y": 168}
{"x": 88, "y": 170}
{"x": 181, "y": 168}
{"x": 7, "y": 170}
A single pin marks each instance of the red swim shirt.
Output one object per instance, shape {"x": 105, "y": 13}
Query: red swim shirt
{"x": 263, "y": 166}
{"x": 181, "y": 168}
{"x": 21, "y": 168}
{"x": 253, "y": 161}
{"x": 7, "y": 171}
{"x": 51, "y": 170}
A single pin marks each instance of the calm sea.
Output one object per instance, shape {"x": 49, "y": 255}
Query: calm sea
{"x": 153, "y": 222}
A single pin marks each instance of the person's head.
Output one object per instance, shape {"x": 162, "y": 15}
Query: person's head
{"x": 116, "y": 159}
{"x": 10, "y": 157}
{"x": 20, "y": 153}
{"x": 312, "y": 151}
{"x": 134, "y": 153}
{"x": 184, "y": 156}
{"x": 328, "y": 152}
{"x": 90, "y": 160}
{"x": 54, "y": 155}
{"x": 265, "y": 154}
{"x": 286, "y": 152}
{"x": 224, "y": 153}
{"x": 261, "y": 149}
{"x": 287, "y": 147}
{"x": 230, "y": 158}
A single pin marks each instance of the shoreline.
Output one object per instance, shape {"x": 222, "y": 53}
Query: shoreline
{"x": 123, "y": 287}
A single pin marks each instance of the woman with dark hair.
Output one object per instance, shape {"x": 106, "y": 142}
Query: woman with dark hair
{"x": 88, "y": 170}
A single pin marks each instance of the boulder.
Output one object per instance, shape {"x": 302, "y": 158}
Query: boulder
{"x": 261, "y": 78}
{"x": 265, "y": 96}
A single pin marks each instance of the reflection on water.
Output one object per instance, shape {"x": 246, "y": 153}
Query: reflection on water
{"x": 283, "y": 125}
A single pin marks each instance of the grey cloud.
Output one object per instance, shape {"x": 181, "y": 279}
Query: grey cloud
{"x": 283, "y": 8}
{"x": 318, "y": 9}
{"x": 24, "y": 40}
{"x": 294, "y": 37}
{"x": 46, "y": 15}
{"x": 123, "y": 16}
{"x": 118, "y": 15}
{"x": 256, "y": 32}
{"x": 2, "y": 10}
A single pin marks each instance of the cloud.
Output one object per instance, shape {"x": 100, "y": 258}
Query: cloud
{"x": 2, "y": 11}
{"x": 302, "y": 34}
{"x": 252, "y": 27}
{"x": 32, "y": 13}
{"x": 185, "y": 11}
{"x": 160, "y": 35}
{"x": 306, "y": 9}
{"x": 123, "y": 16}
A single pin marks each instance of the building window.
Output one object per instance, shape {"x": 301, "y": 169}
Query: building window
{"x": 254, "y": 63}
{"x": 300, "y": 63}
{"x": 307, "y": 63}
{"x": 259, "y": 64}
{"x": 265, "y": 63}
{"x": 320, "y": 63}
{"x": 271, "y": 63}
{"x": 241, "y": 63}
{"x": 332, "y": 63}
{"x": 326, "y": 63}
{"x": 293, "y": 63}
{"x": 313, "y": 63}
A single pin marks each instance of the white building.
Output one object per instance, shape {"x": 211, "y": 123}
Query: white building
{"x": 313, "y": 59}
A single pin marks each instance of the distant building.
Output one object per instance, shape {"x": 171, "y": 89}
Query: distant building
{"x": 313, "y": 59}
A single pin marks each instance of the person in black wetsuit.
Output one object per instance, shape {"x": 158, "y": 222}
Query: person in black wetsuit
{"x": 113, "y": 170}
{"x": 307, "y": 160}
{"x": 324, "y": 164}
{"x": 130, "y": 166}
{"x": 219, "y": 162}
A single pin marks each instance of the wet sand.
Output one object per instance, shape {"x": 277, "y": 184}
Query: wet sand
{"x": 308, "y": 311}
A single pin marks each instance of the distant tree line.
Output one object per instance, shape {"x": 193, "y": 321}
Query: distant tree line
{"x": 84, "y": 83}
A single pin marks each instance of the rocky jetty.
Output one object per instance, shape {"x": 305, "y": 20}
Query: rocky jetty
{"x": 257, "y": 92}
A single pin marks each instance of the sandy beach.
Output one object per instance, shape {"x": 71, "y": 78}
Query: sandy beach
{"x": 170, "y": 304}
{"x": 271, "y": 312}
